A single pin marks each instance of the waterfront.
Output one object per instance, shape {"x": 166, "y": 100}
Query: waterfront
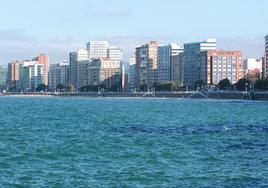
{"x": 227, "y": 95}
{"x": 122, "y": 142}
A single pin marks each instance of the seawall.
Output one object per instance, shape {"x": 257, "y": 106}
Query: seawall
{"x": 262, "y": 96}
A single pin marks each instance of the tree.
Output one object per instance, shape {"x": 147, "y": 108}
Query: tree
{"x": 41, "y": 87}
{"x": 174, "y": 86}
{"x": 60, "y": 87}
{"x": 143, "y": 87}
{"x": 261, "y": 84}
{"x": 13, "y": 88}
{"x": 199, "y": 84}
{"x": 70, "y": 88}
{"x": 179, "y": 84}
{"x": 225, "y": 83}
{"x": 243, "y": 84}
{"x": 88, "y": 88}
{"x": 166, "y": 86}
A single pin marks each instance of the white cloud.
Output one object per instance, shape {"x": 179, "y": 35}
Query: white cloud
{"x": 251, "y": 47}
{"x": 16, "y": 44}
{"x": 14, "y": 35}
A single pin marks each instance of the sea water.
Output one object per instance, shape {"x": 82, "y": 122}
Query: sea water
{"x": 131, "y": 142}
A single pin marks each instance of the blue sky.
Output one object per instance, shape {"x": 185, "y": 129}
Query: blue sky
{"x": 57, "y": 27}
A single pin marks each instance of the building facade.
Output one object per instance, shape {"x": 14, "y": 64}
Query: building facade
{"x": 252, "y": 69}
{"x": 97, "y": 49}
{"x": 81, "y": 59}
{"x": 3, "y": 77}
{"x": 30, "y": 75}
{"x": 164, "y": 56}
{"x": 191, "y": 60}
{"x": 115, "y": 53}
{"x": 106, "y": 72}
{"x": 265, "y": 68}
{"x": 58, "y": 75}
{"x": 74, "y": 57}
{"x": 217, "y": 65}
{"x": 100, "y": 71}
{"x": 132, "y": 72}
{"x": 13, "y": 75}
{"x": 146, "y": 64}
{"x": 82, "y": 73}
{"x": 177, "y": 68}
{"x": 43, "y": 59}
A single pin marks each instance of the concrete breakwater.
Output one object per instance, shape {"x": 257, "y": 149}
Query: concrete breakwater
{"x": 263, "y": 96}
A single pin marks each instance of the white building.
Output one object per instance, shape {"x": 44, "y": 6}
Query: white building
{"x": 115, "y": 53}
{"x": 132, "y": 72}
{"x": 79, "y": 55}
{"x": 30, "y": 75}
{"x": 164, "y": 55}
{"x": 80, "y": 59}
{"x": 252, "y": 64}
{"x": 253, "y": 68}
{"x": 3, "y": 76}
{"x": 265, "y": 64}
{"x": 58, "y": 75}
{"x": 97, "y": 49}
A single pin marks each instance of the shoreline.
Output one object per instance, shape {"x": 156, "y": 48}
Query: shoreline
{"x": 258, "y": 96}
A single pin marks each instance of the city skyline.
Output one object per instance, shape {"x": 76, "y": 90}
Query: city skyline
{"x": 133, "y": 93}
{"x": 51, "y": 28}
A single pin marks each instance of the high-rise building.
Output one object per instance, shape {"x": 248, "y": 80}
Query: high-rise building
{"x": 101, "y": 71}
{"x": 191, "y": 60}
{"x": 266, "y": 58}
{"x": 252, "y": 69}
{"x": 82, "y": 73}
{"x": 252, "y": 64}
{"x": 79, "y": 60}
{"x": 115, "y": 53}
{"x": 105, "y": 72}
{"x": 164, "y": 55}
{"x": 123, "y": 77}
{"x": 216, "y": 65}
{"x": 43, "y": 60}
{"x": 97, "y": 49}
{"x": 13, "y": 75}
{"x": 177, "y": 68}
{"x": 58, "y": 75}
{"x": 30, "y": 75}
{"x": 79, "y": 55}
{"x": 146, "y": 64}
{"x": 3, "y": 77}
{"x": 263, "y": 68}
{"x": 132, "y": 72}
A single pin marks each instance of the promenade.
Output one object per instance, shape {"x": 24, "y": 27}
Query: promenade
{"x": 262, "y": 96}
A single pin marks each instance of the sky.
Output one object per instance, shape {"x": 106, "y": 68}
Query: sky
{"x": 57, "y": 27}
